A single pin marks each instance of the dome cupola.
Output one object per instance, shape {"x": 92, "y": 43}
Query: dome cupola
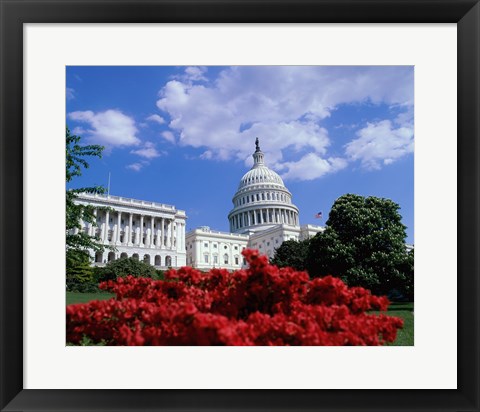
{"x": 262, "y": 200}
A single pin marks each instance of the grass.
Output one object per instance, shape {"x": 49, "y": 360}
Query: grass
{"x": 403, "y": 310}
{"x": 77, "y": 297}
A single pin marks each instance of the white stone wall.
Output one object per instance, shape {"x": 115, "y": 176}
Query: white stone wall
{"x": 309, "y": 231}
{"x": 269, "y": 240}
{"x": 208, "y": 249}
{"x": 149, "y": 231}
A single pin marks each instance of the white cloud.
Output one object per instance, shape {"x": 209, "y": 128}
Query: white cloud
{"x": 148, "y": 151}
{"x": 156, "y": 118}
{"x": 136, "y": 167}
{"x": 283, "y": 105}
{"x": 207, "y": 154}
{"x": 110, "y": 128}
{"x": 381, "y": 143}
{"x": 168, "y": 136}
{"x": 79, "y": 131}
{"x": 70, "y": 93}
{"x": 312, "y": 166}
{"x": 194, "y": 73}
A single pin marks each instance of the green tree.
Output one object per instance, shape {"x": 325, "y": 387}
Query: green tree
{"x": 123, "y": 267}
{"x": 363, "y": 243}
{"x": 292, "y": 253}
{"x": 78, "y": 243}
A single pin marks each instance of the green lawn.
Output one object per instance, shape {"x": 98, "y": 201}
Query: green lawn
{"x": 77, "y": 297}
{"x": 404, "y": 311}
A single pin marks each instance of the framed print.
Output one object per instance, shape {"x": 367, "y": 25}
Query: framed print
{"x": 438, "y": 40}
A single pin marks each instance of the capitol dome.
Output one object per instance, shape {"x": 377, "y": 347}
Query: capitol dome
{"x": 262, "y": 200}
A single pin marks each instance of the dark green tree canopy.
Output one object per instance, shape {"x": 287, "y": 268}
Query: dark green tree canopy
{"x": 292, "y": 253}
{"x": 123, "y": 267}
{"x": 364, "y": 244}
{"x": 78, "y": 244}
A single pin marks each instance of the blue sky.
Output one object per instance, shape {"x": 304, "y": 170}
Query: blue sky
{"x": 185, "y": 135}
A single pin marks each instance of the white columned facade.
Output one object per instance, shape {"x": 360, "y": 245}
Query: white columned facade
{"x": 129, "y": 238}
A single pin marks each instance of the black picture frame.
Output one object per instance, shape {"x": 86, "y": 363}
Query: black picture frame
{"x": 14, "y": 13}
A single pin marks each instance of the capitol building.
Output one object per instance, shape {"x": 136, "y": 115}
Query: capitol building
{"x": 263, "y": 216}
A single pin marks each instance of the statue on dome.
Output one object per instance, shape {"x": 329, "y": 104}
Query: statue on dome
{"x": 257, "y": 145}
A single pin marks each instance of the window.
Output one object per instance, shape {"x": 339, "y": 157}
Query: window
{"x": 215, "y": 259}
{"x": 205, "y": 244}
{"x": 236, "y": 260}
{"x": 236, "y": 248}
{"x": 215, "y": 246}
{"x": 268, "y": 243}
{"x": 225, "y": 259}
{"x": 205, "y": 258}
{"x": 225, "y": 247}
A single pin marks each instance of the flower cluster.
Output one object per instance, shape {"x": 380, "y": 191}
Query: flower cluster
{"x": 262, "y": 305}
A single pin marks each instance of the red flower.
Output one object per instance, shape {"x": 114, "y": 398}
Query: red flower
{"x": 262, "y": 305}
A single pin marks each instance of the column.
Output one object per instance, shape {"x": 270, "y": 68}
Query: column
{"x": 162, "y": 241}
{"x": 158, "y": 241}
{"x": 140, "y": 241}
{"x": 119, "y": 227}
{"x": 179, "y": 244}
{"x": 152, "y": 233}
{"x": 248, "y": 219}
{"x": 168, "y": 245}
{"x": 92, "y": 225}
{"x": 130, "y": 230}
{"x": 106, "y": 227}
{"x": 172, "y": 234}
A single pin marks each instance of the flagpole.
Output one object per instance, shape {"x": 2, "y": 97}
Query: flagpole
{"x": 108, "y": 189}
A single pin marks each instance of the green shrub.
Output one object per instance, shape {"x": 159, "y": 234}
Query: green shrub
{"x": 124, "y": 267}
{"x": 159, "y": 274}
{"x": 80, "y": 275}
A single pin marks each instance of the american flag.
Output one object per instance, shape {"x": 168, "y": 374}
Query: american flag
{"x": 319, "y": 215}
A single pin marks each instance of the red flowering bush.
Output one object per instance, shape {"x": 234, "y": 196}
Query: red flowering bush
{"x": 262, "y": 305}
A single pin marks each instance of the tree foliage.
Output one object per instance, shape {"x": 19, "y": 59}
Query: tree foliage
{"x": 123, "y": 267}
{"x": 78, "y": 243}
{"x": 292, "y": 253}
{"x": 363, "y": 244}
